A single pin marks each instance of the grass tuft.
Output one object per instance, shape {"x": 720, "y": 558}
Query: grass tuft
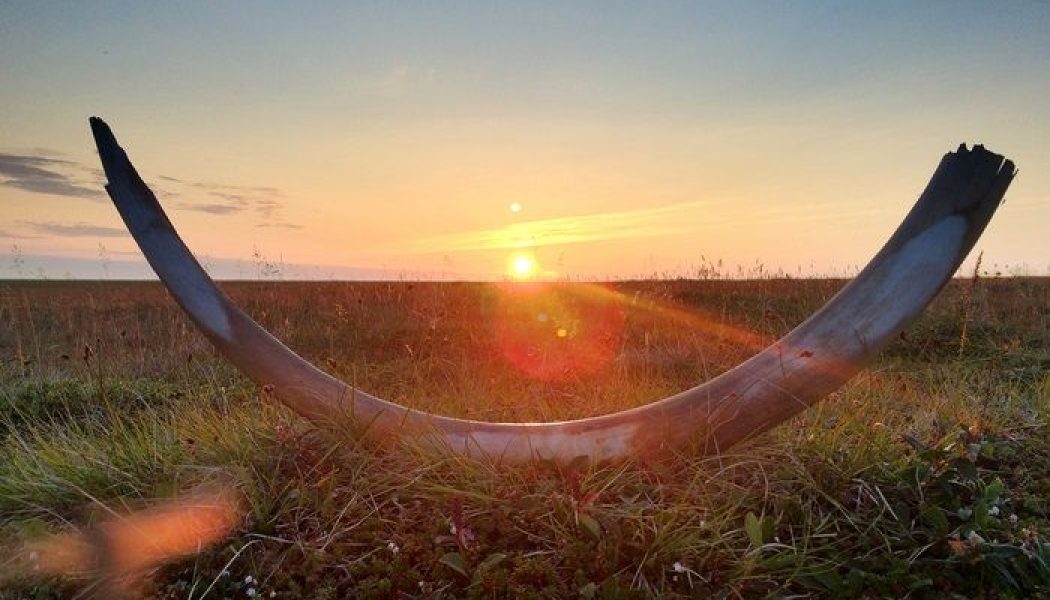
{"x": 926, "y": 476}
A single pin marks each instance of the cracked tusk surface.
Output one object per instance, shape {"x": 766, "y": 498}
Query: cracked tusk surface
{"x": 801, "y": 368}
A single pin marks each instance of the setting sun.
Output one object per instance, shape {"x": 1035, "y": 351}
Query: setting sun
{"x": 411, "y": 299}
{"x": 522, "y": 266}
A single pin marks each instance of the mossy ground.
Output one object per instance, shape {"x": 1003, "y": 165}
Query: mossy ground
{"x": 926, "y": 476}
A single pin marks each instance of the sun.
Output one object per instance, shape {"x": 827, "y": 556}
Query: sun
{"x": 522, "y": 266}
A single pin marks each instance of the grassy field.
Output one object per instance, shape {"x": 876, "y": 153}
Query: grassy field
{"x": 926, "y": 476}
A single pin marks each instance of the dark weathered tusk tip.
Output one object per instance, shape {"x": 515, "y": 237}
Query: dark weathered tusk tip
{"x": 103, "y": 134}
{"x": 112, "y": 155}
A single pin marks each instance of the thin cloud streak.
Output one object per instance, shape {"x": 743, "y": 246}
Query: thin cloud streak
{"x": 220, "y": 187}
{"x": 647, "y": 222}
{"x": 279, "y": 226}
{"x": 675, "y": 219}
{"x": 211, "y": 208}
{"x": 75, "y": 229}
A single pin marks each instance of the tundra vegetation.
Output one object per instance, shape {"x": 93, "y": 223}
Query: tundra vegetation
{"x": 928, "y": 475}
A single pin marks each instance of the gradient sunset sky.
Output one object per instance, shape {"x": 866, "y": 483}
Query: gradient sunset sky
{"x": 443, "y": 139}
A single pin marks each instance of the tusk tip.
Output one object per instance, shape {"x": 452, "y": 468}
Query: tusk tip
{"x": 979, "y": 152}
{"x": 101, "y": 131}
{"x": 112, "y": 155}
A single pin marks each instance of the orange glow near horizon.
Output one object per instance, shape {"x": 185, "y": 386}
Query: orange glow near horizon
{"x": 440, "y": 162}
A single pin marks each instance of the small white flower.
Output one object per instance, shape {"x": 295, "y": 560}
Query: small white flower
{"x": 993, "y": 511}
{"x": 251, "y": 592}
{"x": 249, "y": 579}
{"x": 974, "y": 538}
{"x": 225, "y": 573}
{"x": 678, "y": 567}
{"x": 393, "y": 547}
{"x": 452, "y": 528}
{"x": 1014, "y": 519}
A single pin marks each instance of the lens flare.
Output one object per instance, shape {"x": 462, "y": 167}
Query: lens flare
{"x": 557, "y": 332}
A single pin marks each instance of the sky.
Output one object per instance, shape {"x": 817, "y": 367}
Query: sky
{"x": 472, "y": 140}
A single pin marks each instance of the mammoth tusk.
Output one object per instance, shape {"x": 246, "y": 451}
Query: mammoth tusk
{"x": 794, "y": 372}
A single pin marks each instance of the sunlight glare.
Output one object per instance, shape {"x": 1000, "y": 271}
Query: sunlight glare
{"x": 522, "y": 266}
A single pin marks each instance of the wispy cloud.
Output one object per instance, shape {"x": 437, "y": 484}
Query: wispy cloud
{"x": 267, "y": 207}
{"x": 399, "y": 79}
{"x": 44, "y": 174}
{"x": 74, "y": 229}
{"x": 647, "y": 222}
{"x": 223, "y": 199}
{"x": 211, "y": 207}
{"x": 222, "y": 187}
{"x": 280, "y": 225}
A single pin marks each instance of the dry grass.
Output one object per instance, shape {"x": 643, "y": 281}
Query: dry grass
{"x": 926, "y": 476}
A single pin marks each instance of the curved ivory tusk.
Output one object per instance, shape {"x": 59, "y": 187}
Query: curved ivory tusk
{"x": 798, "y": 370}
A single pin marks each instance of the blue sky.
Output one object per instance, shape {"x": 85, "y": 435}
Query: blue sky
{"x": 347, "y": 136}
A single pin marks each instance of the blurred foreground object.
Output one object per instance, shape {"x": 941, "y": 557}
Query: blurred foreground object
{"x": 120, "y": 551}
